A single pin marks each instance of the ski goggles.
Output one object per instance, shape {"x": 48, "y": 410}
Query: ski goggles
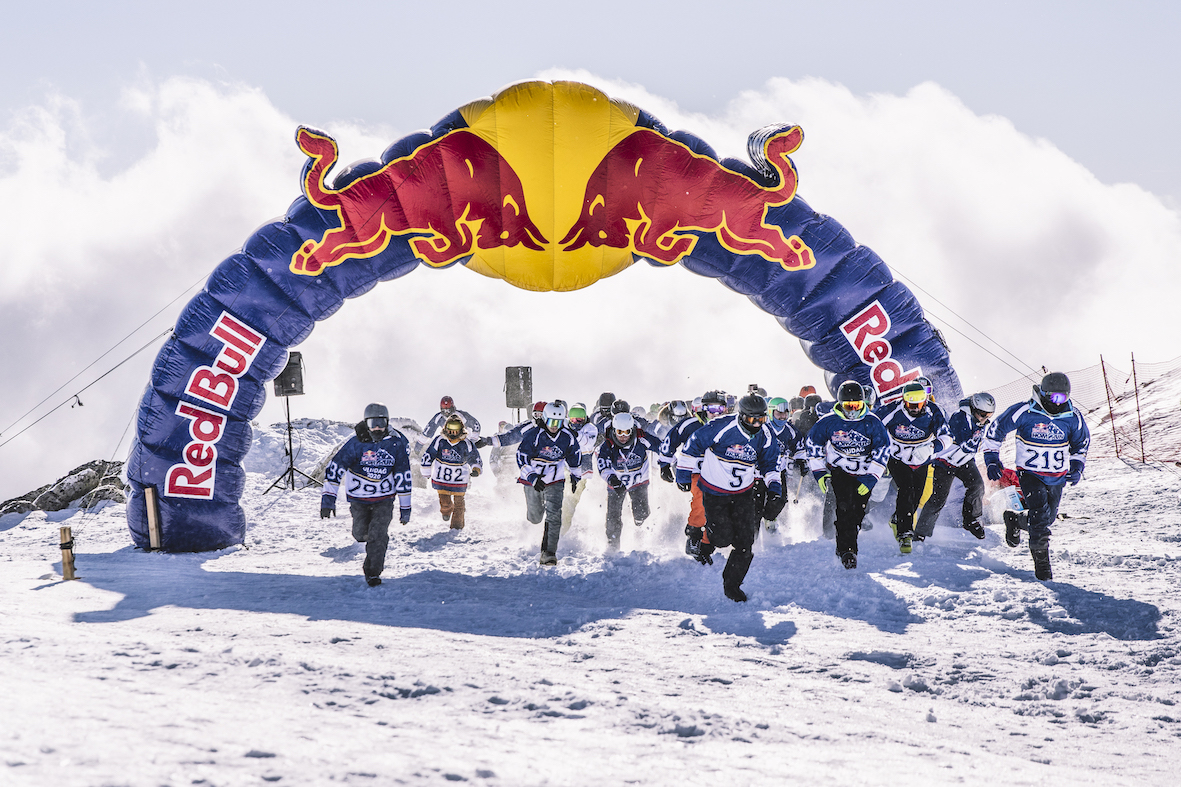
{"x": 554, "y": 424}
{"x": 1057, "y": 398}
{"x": 914, "y": 397}
{"x": 623, "y": 435}
{"x": 377, "y": 423}
{"x": 577, "y": 423}
{"x": 715, "y": 409}
{"x": 852, "y": 407}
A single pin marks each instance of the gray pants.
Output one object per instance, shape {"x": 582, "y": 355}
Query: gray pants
{"x": 547, "y": 504}
{"x": 371, "y": 524}
{"x": 640, "y": 510}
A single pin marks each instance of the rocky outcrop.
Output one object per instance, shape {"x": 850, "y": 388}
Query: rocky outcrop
{"x": 86, "y": 485}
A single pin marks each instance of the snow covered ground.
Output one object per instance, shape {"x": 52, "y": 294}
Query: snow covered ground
{"x": 275, "y": 663}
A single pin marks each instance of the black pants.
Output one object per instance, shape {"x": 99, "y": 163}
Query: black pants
{"x": 371, "y": 524}
{"x": 850, "y": 509}
{"x": 910, "y": 482}
{"x": 1041, "y": 501}
{"x": 732, "y": 521}
{"x": 640, "y": 510}
{"x": 973, "y": 508}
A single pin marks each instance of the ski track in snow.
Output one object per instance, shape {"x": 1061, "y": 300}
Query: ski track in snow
{"x": 275, "y": 663}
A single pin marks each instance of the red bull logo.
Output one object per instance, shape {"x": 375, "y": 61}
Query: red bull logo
{"x": 652, "y": 194}
{"x": 866, "y": 332}
{"x": 457, "y": 191}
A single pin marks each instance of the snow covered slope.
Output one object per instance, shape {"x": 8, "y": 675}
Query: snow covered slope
{"x": 274, "y": 662}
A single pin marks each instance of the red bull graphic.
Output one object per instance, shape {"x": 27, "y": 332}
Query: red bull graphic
{"x": 652, "y": 194}
{"x": 457, "y": 190}
{"x": 606, "y": 177}
{"x": 866, "y": 331}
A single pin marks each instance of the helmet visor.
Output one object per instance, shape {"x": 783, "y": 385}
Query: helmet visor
{"x": 553, "y": 424}
{"x": 377, "y": 423}
{"x": 914, "y": 397}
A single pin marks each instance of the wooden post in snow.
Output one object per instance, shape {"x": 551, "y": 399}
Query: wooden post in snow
{"x": 67, "y": 546}
{"x": 153, "y": 517}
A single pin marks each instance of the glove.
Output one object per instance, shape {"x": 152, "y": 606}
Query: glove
{"x": 1076, "y": 472}
{"x": 483, "y": 442}
{"x": 539, "y": 484}
{"x": 666, "y": 473}
{"x": 327, "y": 506}
{"x": 862, "y": 490}
{"x": 824, "y": 480}
{"x": 475, "y": 472}
{"x": 995, "y": 470}
{"x": 773, "y": 506}
{"x": 802, "y": 466}
{"x": 866, "y": 486}
{"x": 685, "y": 486}
{"x": 404, "y": 516}
{"x": 614, "y": 482}
{"x": 327, "y": 512}
{"x": 574, "y": 483}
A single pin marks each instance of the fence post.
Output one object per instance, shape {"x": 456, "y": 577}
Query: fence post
{"x": 1110, "y": 407}
{"x": 67, "y": 547}
{"x": 153, "y": 511}
{"x": 1139, "y": 423}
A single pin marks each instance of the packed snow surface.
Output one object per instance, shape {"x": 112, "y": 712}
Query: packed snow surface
{"x": 274, "y": 662}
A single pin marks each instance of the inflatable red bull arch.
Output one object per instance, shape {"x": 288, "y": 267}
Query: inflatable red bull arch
{"x": 548, "y": 186}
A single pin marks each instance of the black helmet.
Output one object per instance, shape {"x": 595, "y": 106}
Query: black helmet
{"x": 1054, "y": 392}
{"x": 796, "y": 403}
{"x": 752, "y": 412}
{"x": 811, "y": 400}
{"x": 606, "y": 399}
{"x": 713, "y": 404}
{"x": 620, "y": 406}
{"x": 377, "y": 418}
{"x": 851, "y": 401}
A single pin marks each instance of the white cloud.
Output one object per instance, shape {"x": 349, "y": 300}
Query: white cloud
{"x": 1002, "y": 228}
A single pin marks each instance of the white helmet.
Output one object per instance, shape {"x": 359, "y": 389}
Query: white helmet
{"x": 624, "y": 425}
{"x": 554, "y": 417}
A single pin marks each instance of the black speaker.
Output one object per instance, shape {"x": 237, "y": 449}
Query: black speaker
{"x": 290, "y": 380}
{"x": 518, "y": 386}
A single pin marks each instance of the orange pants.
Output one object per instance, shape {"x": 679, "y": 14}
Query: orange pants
{"x": 697, "y": 509}
{"x": 452, "y": 507}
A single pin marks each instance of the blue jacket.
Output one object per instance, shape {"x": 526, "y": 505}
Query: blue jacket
{"x": 548, "y": 456}
{"x": 629, "y": 461}
{"x": 859, "y": 448}
{"x": 728, "y": 459}
{"x": 376, "y": 471}
{"x": 1047, "y": 445}
{"x": 914, "y": 439}
{"x": 790, "y": 442}
{"x": 449, "y": 465}
{"x": 676, "y": 437}
{"x": 966, "y": 437}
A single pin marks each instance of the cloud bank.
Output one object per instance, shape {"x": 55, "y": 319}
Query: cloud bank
{"x": 996, "y": 226}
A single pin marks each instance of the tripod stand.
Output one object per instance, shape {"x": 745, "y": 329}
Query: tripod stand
{"x": 287, "y": 479}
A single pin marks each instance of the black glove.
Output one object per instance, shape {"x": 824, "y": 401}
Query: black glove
{"x": 483, "y": 442}
{"x": 539, "y": 484}
{"x": 327, "y": 512}
{"x": 574, "y": 484}
{"x": 773, "y": 506}
{"x": 475, "y": 472}
{"x": 614, "y": 482}
{"x": 802, "y": 466}
{"x": 686, "y": 486}
{"x": 404, "y": 516}
{"x": 995, "y": 471}
{"x": 666, "y": 473}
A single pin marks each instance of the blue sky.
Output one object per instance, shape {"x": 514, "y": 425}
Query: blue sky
{"x": 1016, "y": 160}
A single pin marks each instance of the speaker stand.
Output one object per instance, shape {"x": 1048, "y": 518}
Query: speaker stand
{"x": 287, "y": 479}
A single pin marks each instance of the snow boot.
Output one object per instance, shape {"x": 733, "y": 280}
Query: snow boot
{"x": 975, "y": 528}
{"x": 547, "y": 559}
{"x": 904, "y": 543}
{"x": 734, "y": 592}
{"x": 1041, "y": 561}
{"x": 849, "y": 559}
{"x": 1012, "y": 528}
{"x": 373, "y": 581}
